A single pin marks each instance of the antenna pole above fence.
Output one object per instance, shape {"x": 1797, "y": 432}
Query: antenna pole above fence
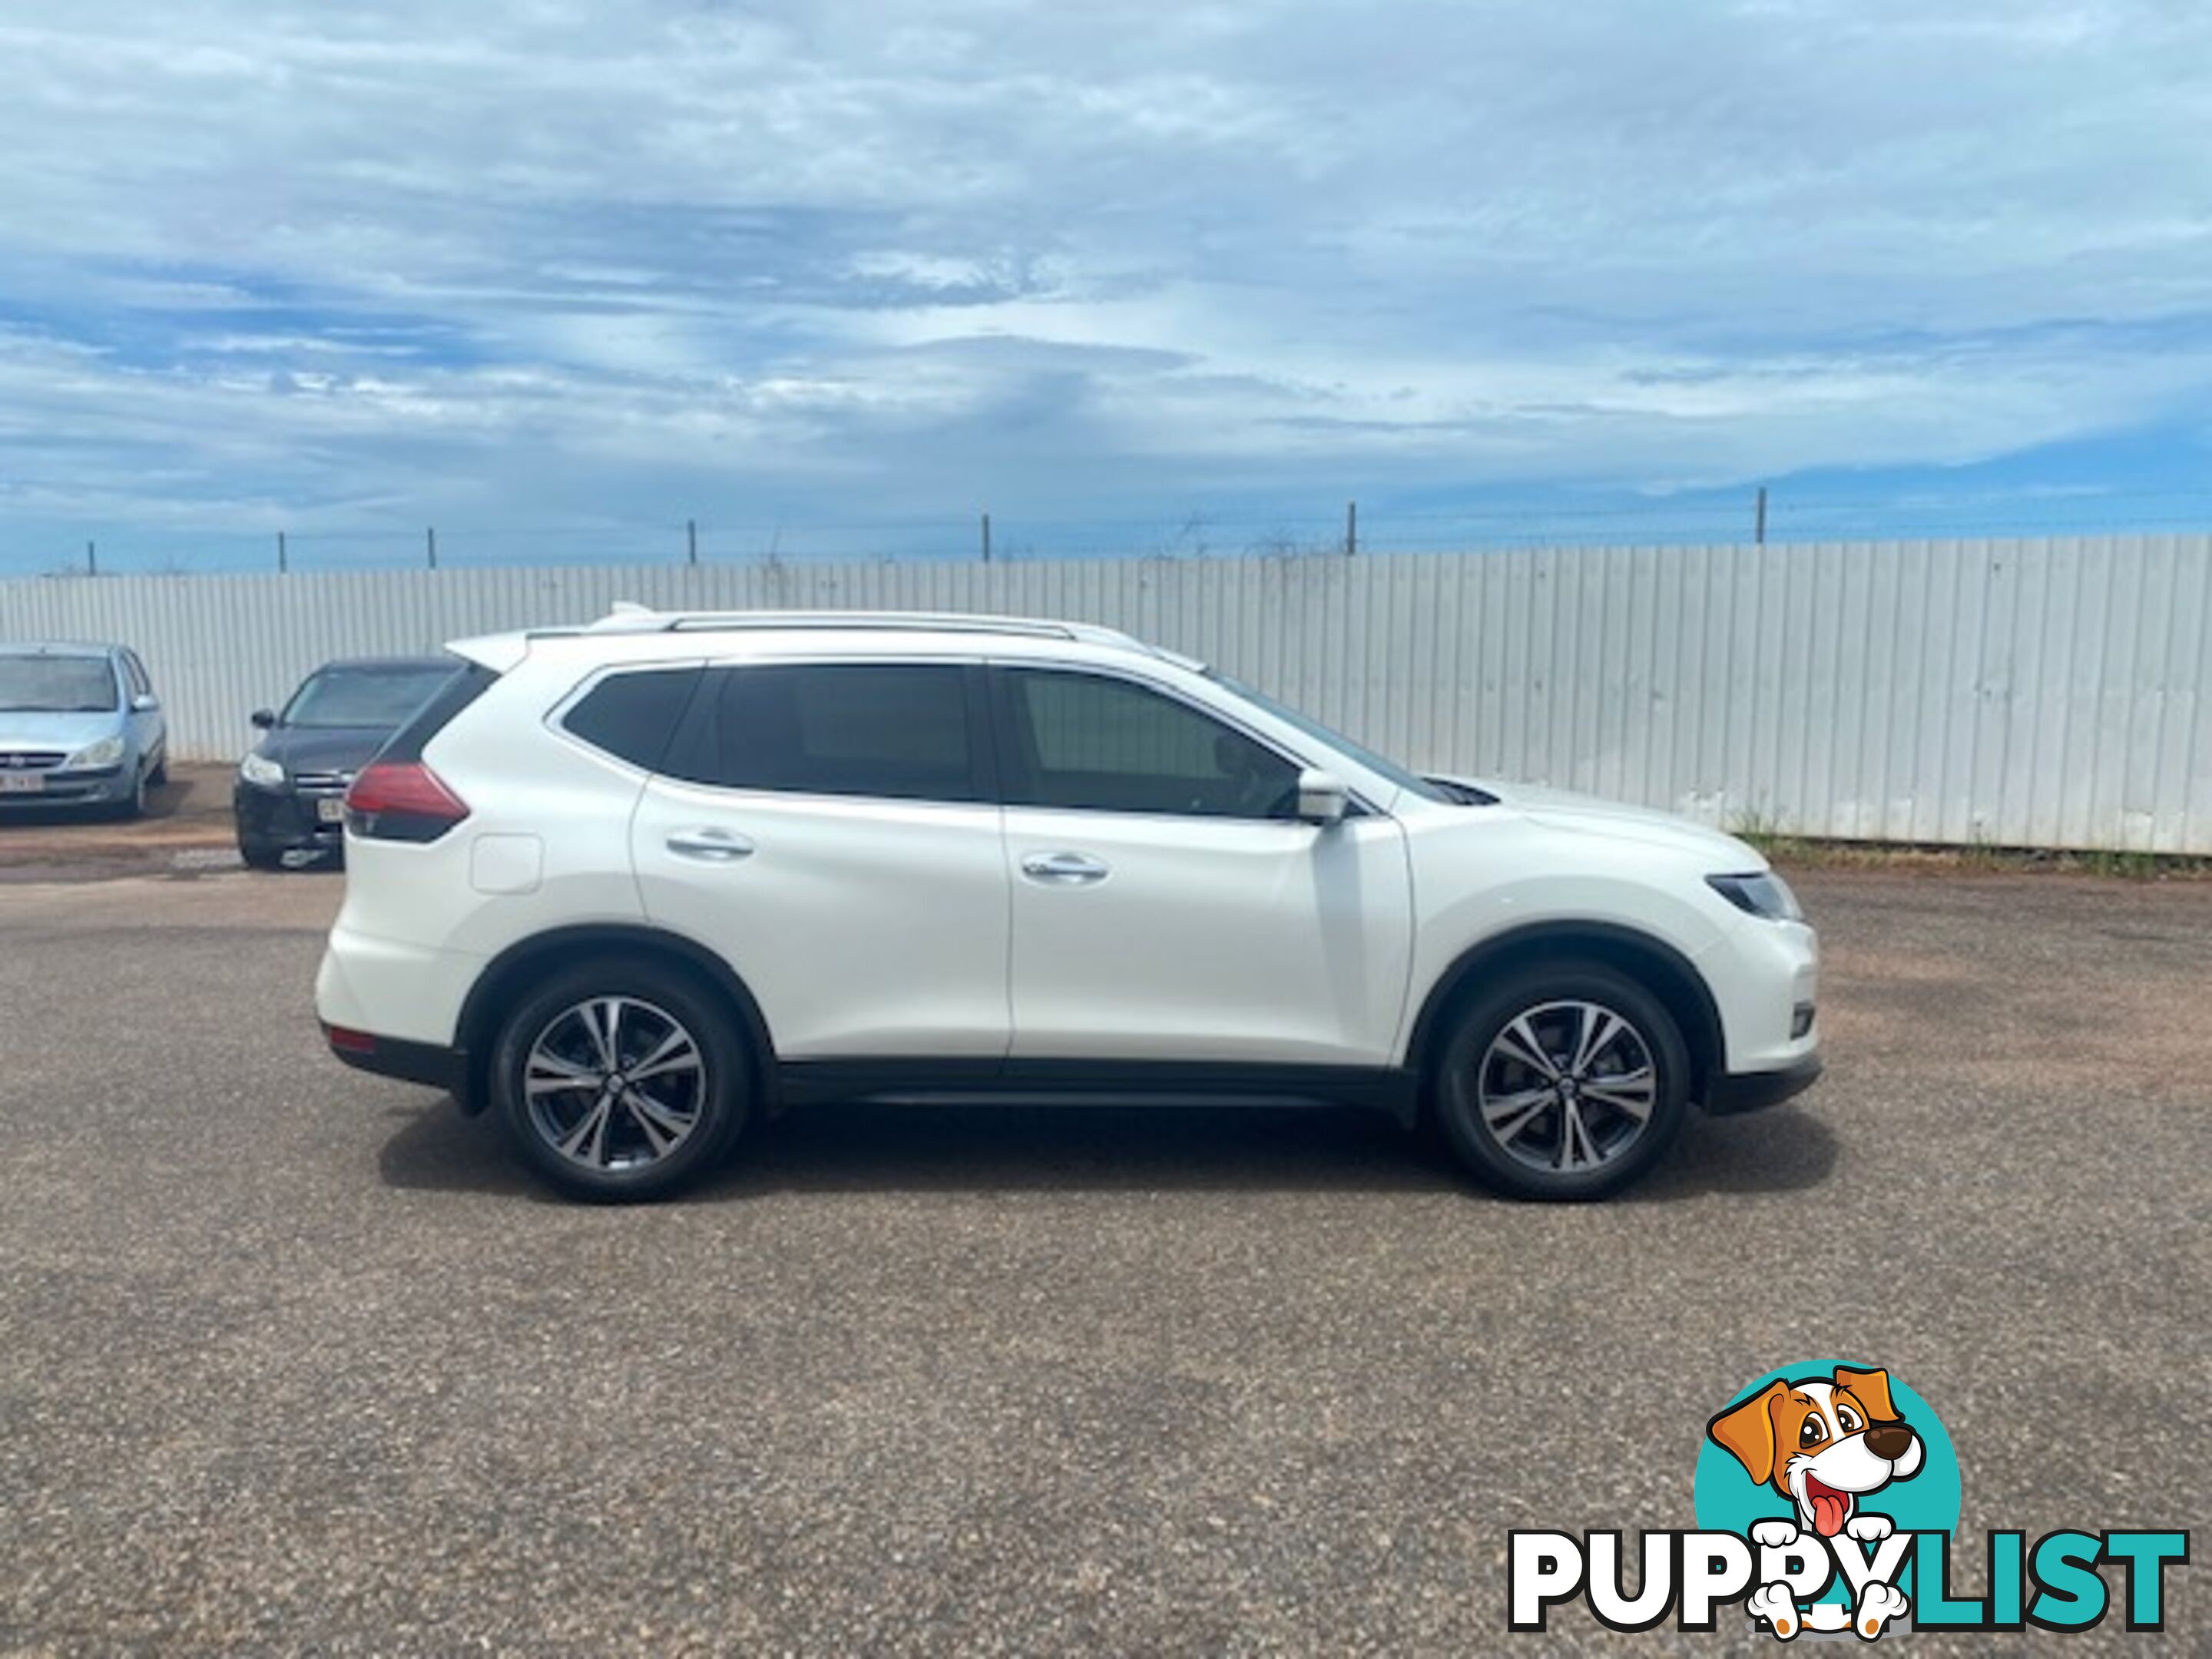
{"x": 91, "y": 559}
{"x": 691, "y": 541}
{"x": 430, "y": 545}
{"x": 987, "y": 538}
{"x": 283, "y": 563}
{"x": 1758, "y": 526}
{"x": 1350, "y": 529}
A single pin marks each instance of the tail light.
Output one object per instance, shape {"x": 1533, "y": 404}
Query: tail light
{"x": 402, "y": 800}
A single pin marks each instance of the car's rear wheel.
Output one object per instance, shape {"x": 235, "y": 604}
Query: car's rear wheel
{"x": 1569, "y": 1083}
{"x": 619, "y": 1080}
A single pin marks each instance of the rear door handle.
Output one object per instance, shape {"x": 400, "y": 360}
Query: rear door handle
{"x": 711, "y": 846}
{"x": 1064, "y": 869}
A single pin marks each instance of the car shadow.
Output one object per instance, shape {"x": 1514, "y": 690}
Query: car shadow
{"x": 163, "y": 800}
{"x": 1012, "y": 1148}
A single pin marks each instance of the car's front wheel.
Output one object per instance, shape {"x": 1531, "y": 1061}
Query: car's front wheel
{"x": 1568, "y": 1084}
{"x": 619, "y": 1080}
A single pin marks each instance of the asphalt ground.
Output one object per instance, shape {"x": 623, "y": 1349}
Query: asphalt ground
{"x": 292, "y": 1359}
{"x": 189, "y": 825}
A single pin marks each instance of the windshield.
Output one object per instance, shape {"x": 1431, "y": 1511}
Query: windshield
{"x": 1313, "y": 728}
{"x": 58, "y": 685}
{"x": 380, "y": 697}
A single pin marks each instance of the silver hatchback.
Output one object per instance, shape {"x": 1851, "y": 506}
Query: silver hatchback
{"x": 80, "y": 725}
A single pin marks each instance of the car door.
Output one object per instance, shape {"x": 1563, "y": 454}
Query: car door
{"x": 1166, "y": 905}
{"x": 828, "y": 829}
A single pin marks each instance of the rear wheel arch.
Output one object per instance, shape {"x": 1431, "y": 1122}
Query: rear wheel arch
{"x": 512, "y": 973}
{"x": 1659, "y": 967}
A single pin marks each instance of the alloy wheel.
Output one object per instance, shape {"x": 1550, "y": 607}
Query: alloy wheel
{"x": 614, "y": 1084}
{"x": 1566, "y": 1087}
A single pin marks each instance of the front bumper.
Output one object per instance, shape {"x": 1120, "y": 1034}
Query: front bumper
{"x": 1736, "y": 1093}
{"x": 285, "y": 820}
{"x": 89, "y": 786}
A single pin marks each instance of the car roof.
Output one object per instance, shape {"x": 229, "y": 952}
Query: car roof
{"x": 643, "y": 634}
{"x": 356, "y": 664}
{"x": 57, "y": 648}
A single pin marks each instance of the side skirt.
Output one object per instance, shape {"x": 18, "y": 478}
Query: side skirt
{"x": 1097, "y": 1082}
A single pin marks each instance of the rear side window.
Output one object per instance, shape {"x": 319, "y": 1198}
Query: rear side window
{"x": 633, "y": 716}
{"x": 902, "y": 731}
{"x": 470, "y": 681}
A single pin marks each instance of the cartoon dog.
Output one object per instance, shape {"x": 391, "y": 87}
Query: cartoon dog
{"x": 1823, "y": 1443}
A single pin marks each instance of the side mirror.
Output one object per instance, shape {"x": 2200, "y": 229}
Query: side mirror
{"x": 144, "y": 703}
{"x": 1322, "y": 798}
{"x": 264, "y": 717}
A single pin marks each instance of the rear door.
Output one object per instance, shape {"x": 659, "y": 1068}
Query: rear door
{"x": 828, "y": 829}
{"x": 1168, "y": 906}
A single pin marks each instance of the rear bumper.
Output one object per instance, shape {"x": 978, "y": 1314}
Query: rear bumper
{"x": 393, "y": 1057}
{"x": 1737, "y": 1092}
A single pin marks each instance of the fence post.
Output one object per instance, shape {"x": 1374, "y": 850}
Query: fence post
{"x": 987, "y": 538}
{"x": 691, "y": 541}
{"x": 283, "y": 563}
{"x": 1350, "y": 529}
{"x": 431, "y": 544}
{"x": 1758, "y": 527}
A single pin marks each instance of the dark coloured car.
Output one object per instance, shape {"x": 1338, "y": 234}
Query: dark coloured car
{"x": 290, "y": 794}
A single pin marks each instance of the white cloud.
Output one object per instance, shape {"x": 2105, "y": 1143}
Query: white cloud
{"x": 293, "y": 257}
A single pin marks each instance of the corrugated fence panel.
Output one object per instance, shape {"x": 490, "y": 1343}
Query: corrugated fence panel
{"x": 2036, "y": 693}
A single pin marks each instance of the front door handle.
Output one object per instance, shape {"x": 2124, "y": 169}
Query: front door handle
{"x": 711, "y": 846}
{"x": 1064, "y": 869}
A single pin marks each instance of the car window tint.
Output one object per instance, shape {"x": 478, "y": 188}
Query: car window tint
{"x": 896, "y": 729}
{"x": 633, "y": 716}
{"x": 1087, "y": 741}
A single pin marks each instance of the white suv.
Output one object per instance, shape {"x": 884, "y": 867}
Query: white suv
{"x": 633, "y": 884}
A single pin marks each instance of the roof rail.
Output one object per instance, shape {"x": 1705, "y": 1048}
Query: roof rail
{"x": 628, "y": 618}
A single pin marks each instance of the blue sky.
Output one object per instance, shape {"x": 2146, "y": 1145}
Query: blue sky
{"x": 556, "y": 277}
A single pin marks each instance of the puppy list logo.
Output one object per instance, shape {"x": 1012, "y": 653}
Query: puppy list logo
{"x": 1826, "y": 1497}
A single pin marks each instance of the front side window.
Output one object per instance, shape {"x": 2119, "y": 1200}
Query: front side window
{"x": 1098, "y": 743}
{"x": 900, "y": 731}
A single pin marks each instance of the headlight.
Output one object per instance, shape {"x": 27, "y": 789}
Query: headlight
{"x": 106, "y": 752}
{"x": 1762, "y": 895}
{"x": 260, "y": 769}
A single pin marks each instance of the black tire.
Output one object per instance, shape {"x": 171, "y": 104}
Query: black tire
{"x": 260, "y": 858}
{"x": 1536, "y": 1111}
{"x": 622, "y": 1165}
{"x": 134, "y": 807}
{"x": 159, "y": 775}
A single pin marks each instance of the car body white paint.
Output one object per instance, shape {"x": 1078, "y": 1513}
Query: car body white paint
{"x": 900, "y": 929}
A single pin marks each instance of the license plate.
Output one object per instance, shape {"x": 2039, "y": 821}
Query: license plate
{"x": 331, "y": 809}
{"x": 22, "y": 783}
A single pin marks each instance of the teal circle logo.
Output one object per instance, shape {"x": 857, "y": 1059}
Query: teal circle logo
{"x": 1764, "y": 1455}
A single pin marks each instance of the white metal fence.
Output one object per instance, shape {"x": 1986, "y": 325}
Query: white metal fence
{"x": 2049, "y": 693}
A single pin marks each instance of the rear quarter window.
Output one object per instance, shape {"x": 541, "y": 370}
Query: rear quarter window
{"x": 633, "y": 716}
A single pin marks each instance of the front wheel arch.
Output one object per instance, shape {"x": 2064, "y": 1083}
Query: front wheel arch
{"x": 1666, "y": 972}
{"x": 515, "y": 969}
